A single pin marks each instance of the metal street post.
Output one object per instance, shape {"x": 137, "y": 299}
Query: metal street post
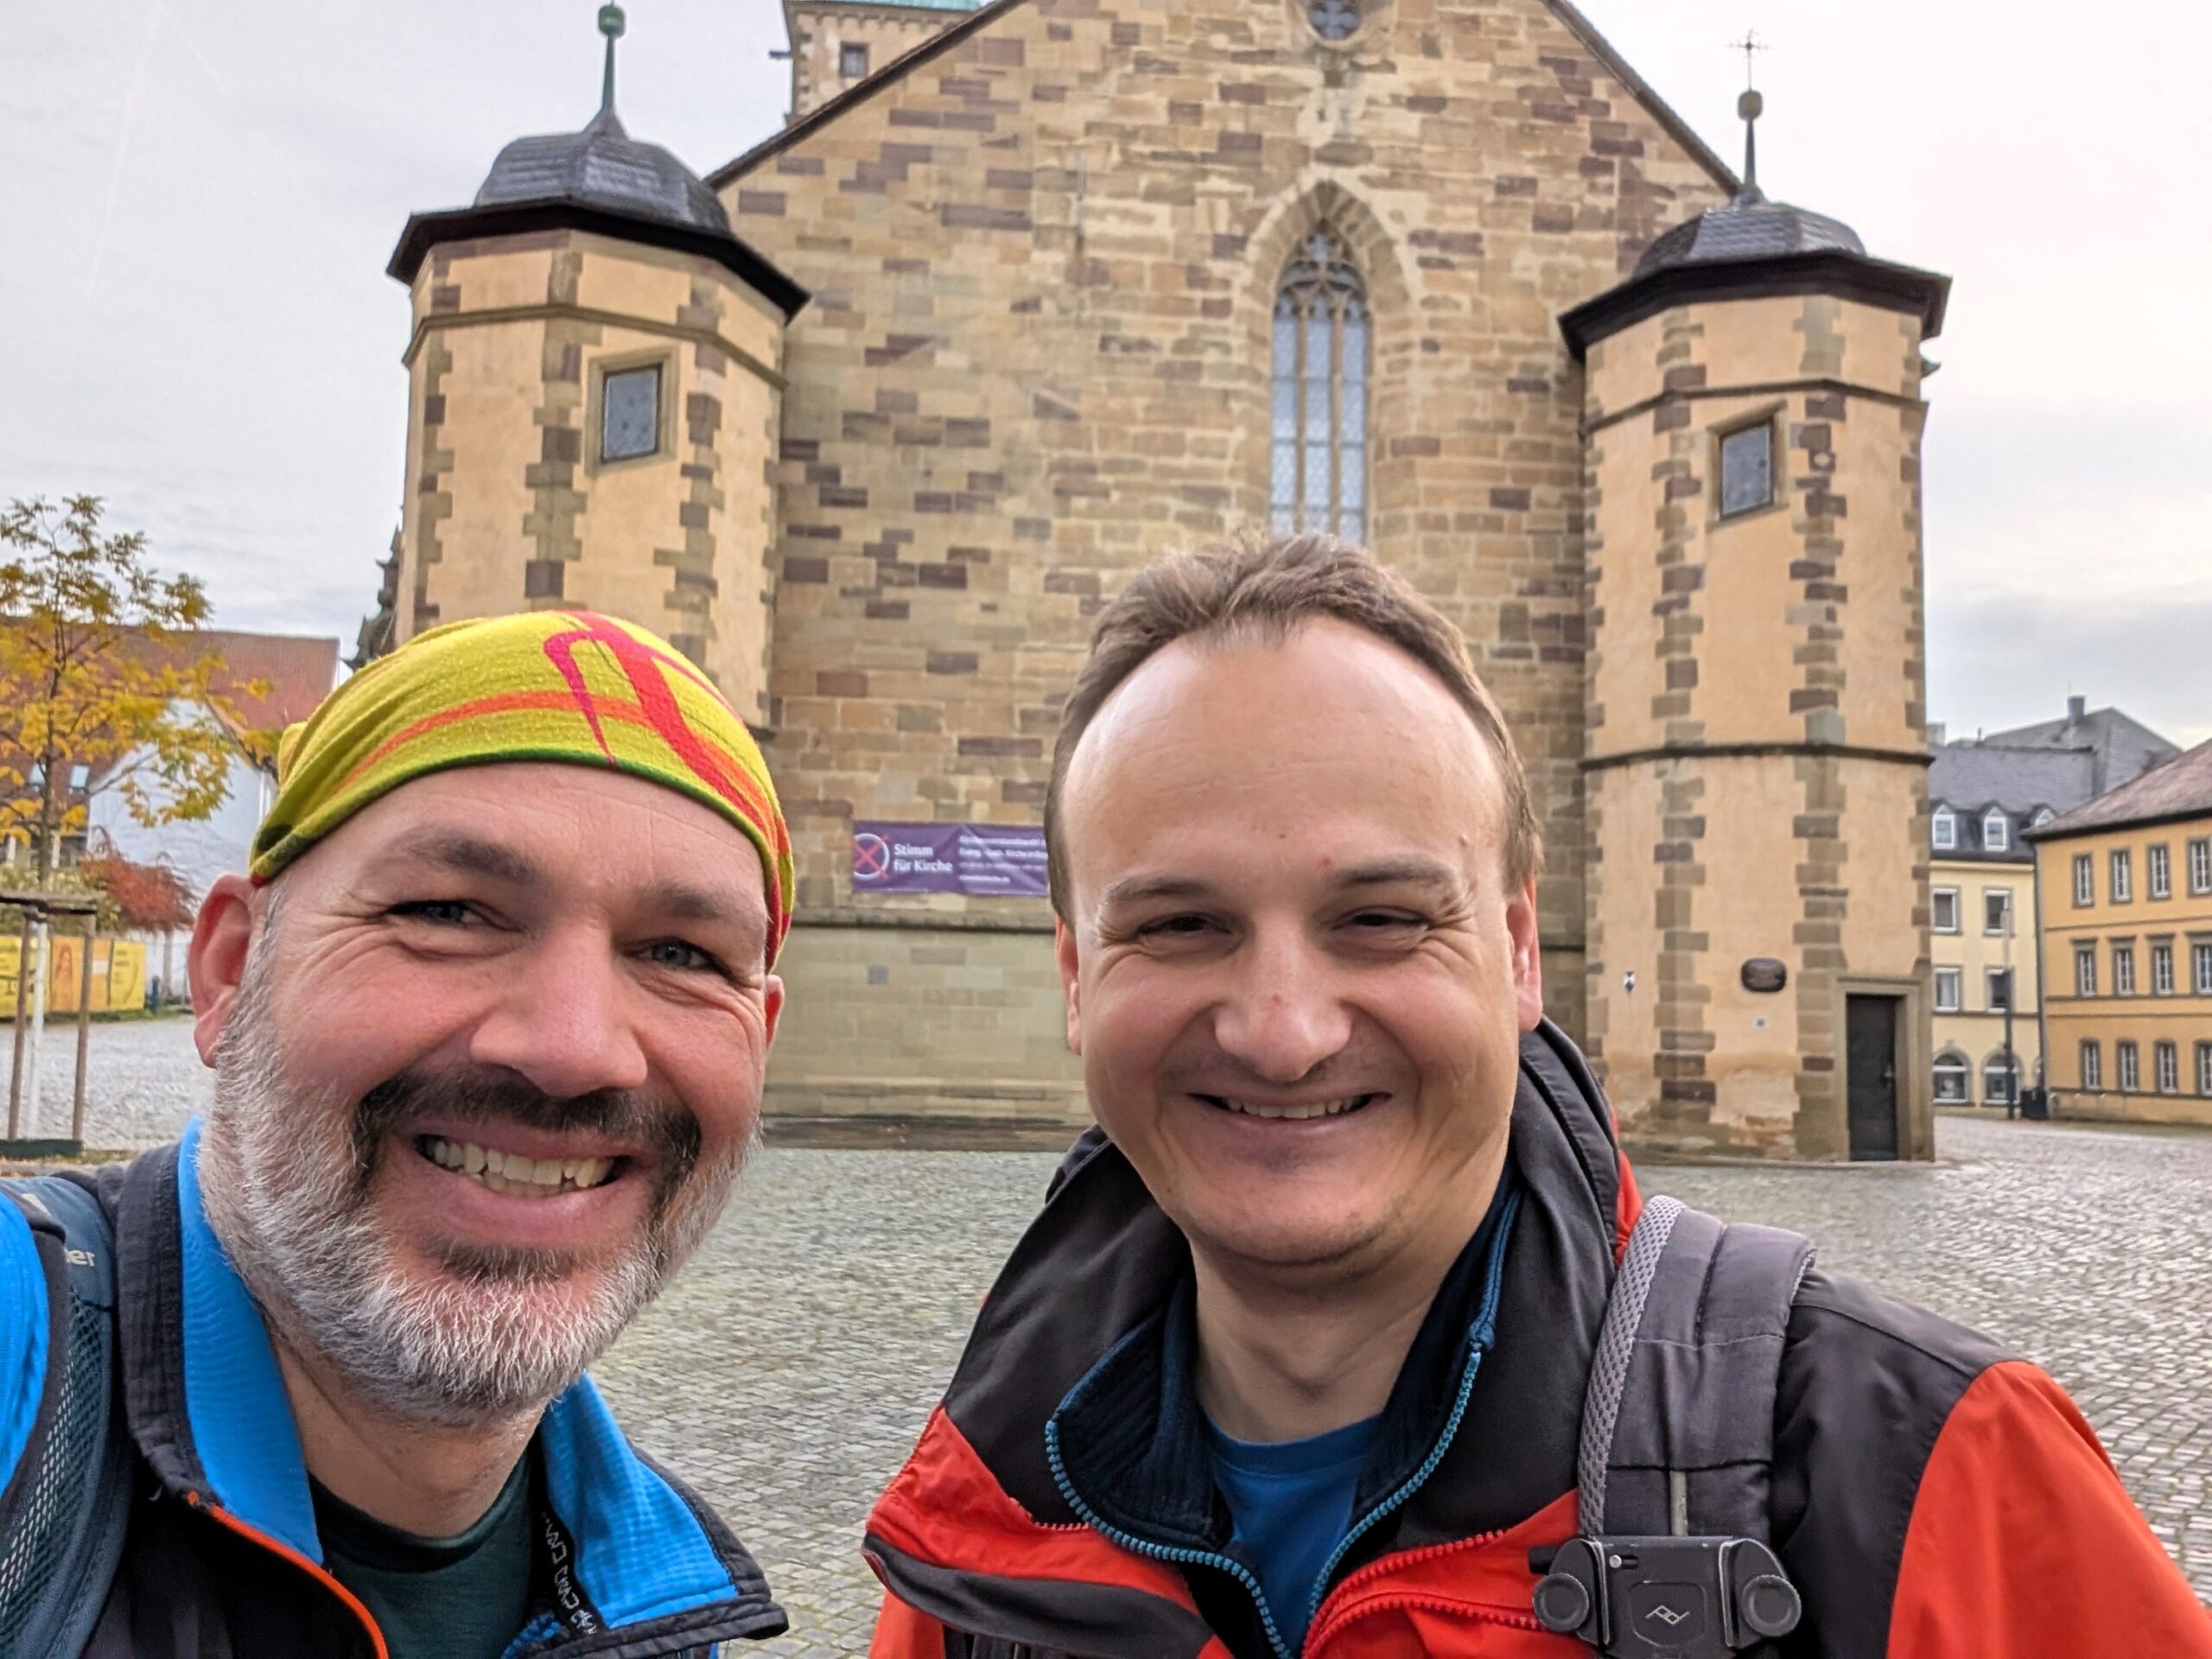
{"x": 22, "y": 1014}
{"x": 84, "y": 1027}
{"x": 2012, "y": 1066}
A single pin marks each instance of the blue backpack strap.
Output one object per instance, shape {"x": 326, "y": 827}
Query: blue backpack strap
{"x": 66, "y": 1504}
{"x": 1677, "y": 1454}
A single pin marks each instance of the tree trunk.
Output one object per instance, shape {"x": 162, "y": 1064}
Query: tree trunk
{"x": 46, "y": 823}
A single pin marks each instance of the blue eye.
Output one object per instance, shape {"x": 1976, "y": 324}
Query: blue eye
{"x": 675, "y": 953}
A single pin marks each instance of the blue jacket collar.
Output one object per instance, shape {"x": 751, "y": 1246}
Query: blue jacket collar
{"x": 626, "y": 1544}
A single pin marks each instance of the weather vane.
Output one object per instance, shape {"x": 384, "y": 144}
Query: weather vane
{"x": 1750, "y": 106}
{"x": 611, "y": 21}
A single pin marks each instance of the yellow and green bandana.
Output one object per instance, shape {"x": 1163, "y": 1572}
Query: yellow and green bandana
{"x": 551, "y": 685}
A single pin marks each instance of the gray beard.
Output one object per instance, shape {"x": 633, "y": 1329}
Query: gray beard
{"x": 489, "y": 1335}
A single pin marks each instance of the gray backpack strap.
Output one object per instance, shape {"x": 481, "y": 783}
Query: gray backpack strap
{"x": 63, "y": 1518}
{"x": 1677, "y": 1452}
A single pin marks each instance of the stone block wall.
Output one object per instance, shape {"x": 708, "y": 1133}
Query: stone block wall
{"x": 820, "y": 32}
{"x": 1789, "y": 640}
{"x": 511, "y": 506}
{"x": 1044, "y": 261}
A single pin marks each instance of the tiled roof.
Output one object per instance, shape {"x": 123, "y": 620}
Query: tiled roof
{"x": 300, "y": 669}
{"x": 1974, "y": 777}
{"x": 2122, "y": 748}
{"x": 2179, "y": 788}
{"x": 1749, "y": 227}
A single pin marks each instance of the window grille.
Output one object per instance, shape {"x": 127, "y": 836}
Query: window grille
{"x": 1334, "y": 19}
{"x": 1320, "y": 449}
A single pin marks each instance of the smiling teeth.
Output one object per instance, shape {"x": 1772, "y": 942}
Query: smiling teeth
{"x": 513, "y": 1174}
{"x": 1298, "y": 1114}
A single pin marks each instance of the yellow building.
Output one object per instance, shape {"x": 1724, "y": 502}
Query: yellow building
{"x": 1982, "y": 796}
{"x": 2124, "y": 887}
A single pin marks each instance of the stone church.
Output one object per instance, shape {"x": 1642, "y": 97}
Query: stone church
{"x": 872, "y": 420}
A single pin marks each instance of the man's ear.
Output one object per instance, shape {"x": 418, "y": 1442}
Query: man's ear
{"x": 1064, "y": 952}
{"x": 1528, "y": 956}
{"x": 222, "y": 937}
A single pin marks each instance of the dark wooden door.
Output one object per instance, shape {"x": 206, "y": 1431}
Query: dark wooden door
{"x": 1871, "y": 1065}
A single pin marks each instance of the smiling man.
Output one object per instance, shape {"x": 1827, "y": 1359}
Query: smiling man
{"x": 489, "y": 1020}
{"x": 1295, "y": 1360}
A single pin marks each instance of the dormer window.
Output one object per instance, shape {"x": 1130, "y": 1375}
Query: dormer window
{"x": 2043, "y": 815}
{"x": 1944, "y": 830}
{"x": 1996, "y": 832}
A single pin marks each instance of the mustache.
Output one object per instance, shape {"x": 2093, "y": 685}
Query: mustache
{"x": 668, "y": 1133}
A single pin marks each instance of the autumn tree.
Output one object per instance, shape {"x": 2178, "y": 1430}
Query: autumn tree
{"x": 97, "y": 671}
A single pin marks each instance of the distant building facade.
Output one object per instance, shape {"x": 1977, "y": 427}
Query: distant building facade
{"x": 874, "y": 420}
{"x": 2124, "y": 884}
{"x": 1983, "y": 796}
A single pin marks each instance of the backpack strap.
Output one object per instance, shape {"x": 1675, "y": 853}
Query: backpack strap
{"x": 63, "y": 1516}
{"x": 1677, "y": 1454}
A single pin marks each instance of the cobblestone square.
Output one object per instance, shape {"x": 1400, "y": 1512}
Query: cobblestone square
{"x": 787, "y": 1372}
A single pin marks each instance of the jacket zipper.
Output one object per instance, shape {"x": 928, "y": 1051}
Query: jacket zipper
{"x": 320, "y": 1575}
{"x": 1482, "y": 1612}
{"x": 1485, "y": 1333}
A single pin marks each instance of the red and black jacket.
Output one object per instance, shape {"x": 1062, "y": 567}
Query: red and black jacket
{"x": 1933, "y": 1499}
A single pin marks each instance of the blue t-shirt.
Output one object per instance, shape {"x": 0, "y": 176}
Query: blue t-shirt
{"x": 1291, "y": 1501}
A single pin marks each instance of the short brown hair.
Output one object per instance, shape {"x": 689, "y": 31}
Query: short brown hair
{"x": 1265, "y": 590}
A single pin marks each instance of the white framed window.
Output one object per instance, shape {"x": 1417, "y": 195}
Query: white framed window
{"x": 2085, "y": 970}
{"x": 1995, "y": 910}
{"x": 2204, "y": 1069}
{"x": 2162, "y": 970}
{"x": 2200, "y": 865}
{"x": 2166, "y": 1068}
{"x": 2001, "y": 1082}
{"x": 1943, "y": 909}
{"x": 2123, "y": 970}
{"x": 2085, "y": 880}
{"x": 1747, "y": 469}
{"x": 2129, "y": 1065}
{"x": 2201, "y": 966}
{"x": 2158, "y": 872}
{"x": 1952, "y": 1077}
{"x": 1997, "y": 985}
{"x": 2123, "y": 875}
{"x": 1996, "y": 831}
{"x": 1943, "y": 830}
{"x": 2093, "y": 1066}
{"x": 1948, "y": 982}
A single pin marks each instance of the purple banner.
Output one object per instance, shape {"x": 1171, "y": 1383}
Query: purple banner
{"x": 996, "y": 859}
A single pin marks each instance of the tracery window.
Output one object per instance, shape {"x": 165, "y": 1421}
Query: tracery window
{"x": 1321, "y": 331}
{"x": 1334, "y": 19}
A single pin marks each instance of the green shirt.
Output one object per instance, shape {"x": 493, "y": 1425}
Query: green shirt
{"x": 466, "y": 1597}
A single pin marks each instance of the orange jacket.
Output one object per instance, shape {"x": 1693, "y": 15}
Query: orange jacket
{"x": 1932, "y": 1498}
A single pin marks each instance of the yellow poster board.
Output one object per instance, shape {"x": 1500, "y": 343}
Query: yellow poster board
{"x": 118, "y": 974}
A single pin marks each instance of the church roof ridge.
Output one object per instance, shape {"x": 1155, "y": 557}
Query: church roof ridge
{"x": 1581, "y": 27}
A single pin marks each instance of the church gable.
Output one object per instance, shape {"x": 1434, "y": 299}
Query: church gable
{"x": 1048, "y": 252}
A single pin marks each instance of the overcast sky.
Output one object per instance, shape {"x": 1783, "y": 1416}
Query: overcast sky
{"x": 198, "y": 197}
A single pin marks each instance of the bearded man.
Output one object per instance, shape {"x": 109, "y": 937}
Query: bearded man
{"x": 489, "y": 1020}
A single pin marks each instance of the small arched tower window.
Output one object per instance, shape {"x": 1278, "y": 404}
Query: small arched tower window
{"x": 1334, "y": 19}
{"x": 1321, "y": 332}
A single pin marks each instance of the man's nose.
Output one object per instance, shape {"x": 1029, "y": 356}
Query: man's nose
{"x": 1282, "y": 1016}
{"x": 563, "y": 1020}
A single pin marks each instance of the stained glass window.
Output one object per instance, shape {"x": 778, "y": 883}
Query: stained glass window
{"x": 1334, "y": 19}
{"x": 1318, "y": 446}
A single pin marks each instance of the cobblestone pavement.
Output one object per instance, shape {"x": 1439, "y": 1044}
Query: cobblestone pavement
{"x": 787, "y": 1371}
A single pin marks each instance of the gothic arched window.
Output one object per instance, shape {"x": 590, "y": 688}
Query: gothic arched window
{"x": 1319, "y": 455}
{"x": 1334, "y": 19}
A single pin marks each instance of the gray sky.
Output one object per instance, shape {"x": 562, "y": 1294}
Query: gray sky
{"x": 197, "y": 199}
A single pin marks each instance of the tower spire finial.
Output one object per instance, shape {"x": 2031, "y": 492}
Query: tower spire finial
{"x": 1750, "y": 106}
{"x": 611, "y": 22}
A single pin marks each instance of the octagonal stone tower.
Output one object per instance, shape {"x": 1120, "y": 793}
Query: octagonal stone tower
{"x": 1755, "y": 772}
{"x": 595, "y": 380}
